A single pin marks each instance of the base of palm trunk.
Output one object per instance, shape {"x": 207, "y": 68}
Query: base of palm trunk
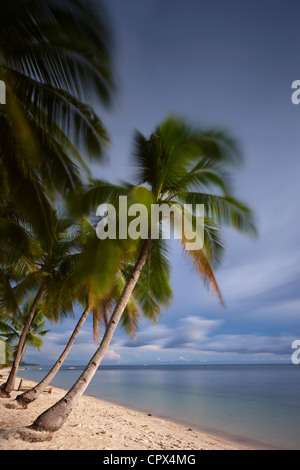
{"x": 25, "y": 398}
{"x": 53, "y": 418}
{"x": 3, "y": 392}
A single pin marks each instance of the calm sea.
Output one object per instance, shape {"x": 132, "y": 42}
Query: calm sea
{"x": 254, "y": 404}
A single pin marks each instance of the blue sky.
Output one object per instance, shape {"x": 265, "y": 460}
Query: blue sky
{"x": 227, "y": 63}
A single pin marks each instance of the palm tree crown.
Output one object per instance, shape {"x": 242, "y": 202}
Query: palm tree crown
{"x": 56, "y": 60}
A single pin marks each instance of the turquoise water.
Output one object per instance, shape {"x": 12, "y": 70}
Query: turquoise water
{"x": 258, "y": 404}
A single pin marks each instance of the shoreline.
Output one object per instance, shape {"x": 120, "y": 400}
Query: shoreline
{"x": 95, "y": 424}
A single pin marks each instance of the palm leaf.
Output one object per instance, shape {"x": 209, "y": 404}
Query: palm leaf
{"x": 153, "y": 290}
{"x": 224, "y": 210}
{"x": 66, "y": 32}
{"x": 202, "y": 265}
{"x": 164, "y": 159}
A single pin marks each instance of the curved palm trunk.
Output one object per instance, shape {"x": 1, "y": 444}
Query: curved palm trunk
{"x": 8, "y": 386}
{"x": 29, "y": 396}
{"x": 54, "y": 418}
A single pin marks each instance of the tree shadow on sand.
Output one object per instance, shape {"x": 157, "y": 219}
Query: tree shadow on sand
{"x": 26, "y": 434}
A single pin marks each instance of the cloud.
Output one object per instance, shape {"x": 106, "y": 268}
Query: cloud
{"x": 61, "y": 338}
{"x": 260, "y": 276}
{"x": 197, "y": 336}
{"x": 189, "y": 332}
{"x": 250, "y": 344}
{"x": 111, "y": 355}
{"x": 287, "y": 309}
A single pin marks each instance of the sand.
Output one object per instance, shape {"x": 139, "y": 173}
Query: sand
{"x": 98, "y": 425}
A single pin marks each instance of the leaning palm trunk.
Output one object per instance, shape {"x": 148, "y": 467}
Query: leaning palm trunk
{"x": 54, "y": 418}
{"x": 29, "y": 396}
{"x": 8, "y": 386}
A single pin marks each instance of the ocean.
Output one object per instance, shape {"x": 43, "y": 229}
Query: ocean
{"x": 256, "y": 405}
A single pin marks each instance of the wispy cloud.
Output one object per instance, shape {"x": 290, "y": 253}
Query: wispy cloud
{"x": 197, "y": 336}
{"x": 189, "y": 332}
{"x": 259, "y": 276}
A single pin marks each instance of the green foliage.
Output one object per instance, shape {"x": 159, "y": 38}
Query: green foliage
{"x": 56, "y": 60}
{"x": 11, "y": 328}
{"x": 177, "y": 164}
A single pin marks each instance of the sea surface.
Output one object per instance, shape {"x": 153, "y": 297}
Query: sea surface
{"x": 257, "y": 405}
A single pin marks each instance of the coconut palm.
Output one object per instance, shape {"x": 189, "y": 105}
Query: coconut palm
{"x": 43, "y": 284}
{"x": 31, "y": 395}
{"x": 55, "y": 59}
{"x": 177, "y": 163}
{"x": 11, "y": 328}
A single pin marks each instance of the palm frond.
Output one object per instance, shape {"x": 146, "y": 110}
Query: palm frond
{"x": 153, "y": 290}
{"x": 165, "y": 159}
{"x": 87, "y": 199}
{"x": 53, "y": 39}
{"x": 202, "y": 265}
{"x": 224, "y": 210}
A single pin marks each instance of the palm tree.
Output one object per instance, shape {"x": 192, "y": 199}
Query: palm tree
{"x": 143, "y": 301}
{"x": 43, "y": 284}
{"x": 55, "y": 59}
{"x": 31, "y": 395}
{"x": 177, "y": 163}
{"x": 11, "y": 328}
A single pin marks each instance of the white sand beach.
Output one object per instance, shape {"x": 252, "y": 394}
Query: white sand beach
{"x": 98, "y": 425}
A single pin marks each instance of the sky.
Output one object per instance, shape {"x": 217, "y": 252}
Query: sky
{"x": 227, "y": 64}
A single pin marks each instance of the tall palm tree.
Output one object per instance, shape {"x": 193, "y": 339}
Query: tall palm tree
{"x": 176, "y": 163}
{"x": 56, "y": 60}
